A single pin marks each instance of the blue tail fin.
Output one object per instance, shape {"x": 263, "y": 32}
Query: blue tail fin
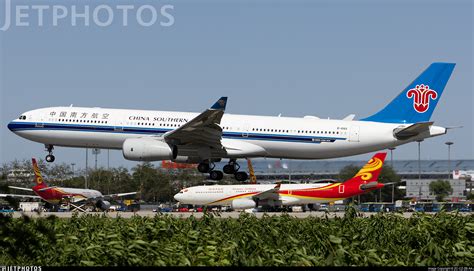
{"x": 417, "y": 102}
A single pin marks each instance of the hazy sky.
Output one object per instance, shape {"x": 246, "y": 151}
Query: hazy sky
{"x": 322, "y": 58}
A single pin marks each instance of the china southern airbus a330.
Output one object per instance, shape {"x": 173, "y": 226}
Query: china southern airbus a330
{"x": 212, "y": 135}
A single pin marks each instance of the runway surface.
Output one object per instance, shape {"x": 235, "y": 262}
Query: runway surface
{"x": 198, "y": 215}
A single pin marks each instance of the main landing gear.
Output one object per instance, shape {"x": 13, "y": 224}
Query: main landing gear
{"x": 50, "y": 157}
{"x": 231, "y": 168}
{"x": 206, "y": 167}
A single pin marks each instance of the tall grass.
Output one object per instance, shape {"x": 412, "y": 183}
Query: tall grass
{"x": 383, "y": 239}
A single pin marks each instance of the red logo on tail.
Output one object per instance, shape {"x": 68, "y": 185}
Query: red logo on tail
{"x": 421, "y": 95}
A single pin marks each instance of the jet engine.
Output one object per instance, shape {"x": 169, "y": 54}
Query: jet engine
{"x": 148, "y": 149}
{"x": 103, "y": 205}
{"x": 243, "y": 204}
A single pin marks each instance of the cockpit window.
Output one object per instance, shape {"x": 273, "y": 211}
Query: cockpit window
{"x": 22, "y": 117}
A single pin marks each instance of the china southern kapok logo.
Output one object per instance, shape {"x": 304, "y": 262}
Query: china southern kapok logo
{"x": 422, "y": 94}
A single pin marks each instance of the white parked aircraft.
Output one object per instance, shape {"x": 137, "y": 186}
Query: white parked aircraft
{"x": 212, "y": 135}
{"x": 252, "y": 195}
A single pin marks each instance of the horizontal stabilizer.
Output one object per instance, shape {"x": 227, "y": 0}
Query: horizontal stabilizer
{"x": 394, "y": 183}
{"x": 412, "y": 130}
{"x": 368, "y": 185}
{"x": 20, "y": 188}
{"x": 19, "y": 196}
{"x": 120, "y": 194}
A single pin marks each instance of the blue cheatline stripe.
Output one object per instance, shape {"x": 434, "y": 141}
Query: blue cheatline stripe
{"x": 23, "y": 126}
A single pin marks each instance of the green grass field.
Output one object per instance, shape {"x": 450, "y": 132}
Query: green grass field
{"x": 383, "y": 239}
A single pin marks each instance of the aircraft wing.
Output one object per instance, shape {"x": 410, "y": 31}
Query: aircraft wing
{"x": 20, "y": 188}
{"x": 204, "y": 129}
{"x": 412, "y": 130}
{"x": 19, "y": 196}
{"x": 120, "y": 195}
{"x": 268, "y": 194}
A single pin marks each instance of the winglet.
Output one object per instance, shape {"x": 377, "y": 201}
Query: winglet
{"x": 220, "y": 104}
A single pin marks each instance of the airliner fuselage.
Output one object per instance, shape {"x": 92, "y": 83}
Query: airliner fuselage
{"x": 279, "y": 137}
{"x": 212, "y": 135}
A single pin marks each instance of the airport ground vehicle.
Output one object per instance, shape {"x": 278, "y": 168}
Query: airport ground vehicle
{"x": 6, "y": 209}
{"x": 377, "y": 207}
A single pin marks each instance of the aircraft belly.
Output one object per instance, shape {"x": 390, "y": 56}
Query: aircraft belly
{"x": 369, "y": 140}
{"x": 75, "y": 139}
{"x": 317, "y": 151}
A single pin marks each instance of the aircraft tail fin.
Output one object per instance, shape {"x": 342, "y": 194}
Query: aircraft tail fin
{"x": 368, "y": 175}
{"x": 418, "y": 100}
{"x": 38, "y": 178}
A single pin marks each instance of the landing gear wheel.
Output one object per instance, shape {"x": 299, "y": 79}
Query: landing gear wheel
{"x": 231, "y": 168}
{"x": 216, "y": 175}
{"x": 203, "y": 167}
{"x": 241, "y": 176}
{"x": 50, "y": 158}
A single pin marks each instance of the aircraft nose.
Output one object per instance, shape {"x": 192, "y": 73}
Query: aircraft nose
{"x": 178, "y": 197}
{"x": 10, "y": 126}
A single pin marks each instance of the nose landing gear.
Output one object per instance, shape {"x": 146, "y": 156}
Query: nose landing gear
{"x": 50, "y": 157}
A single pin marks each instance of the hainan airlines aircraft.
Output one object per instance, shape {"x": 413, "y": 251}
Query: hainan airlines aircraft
{"x": 212, "y": 135}
{"x": 56, "y": 195}
{"x": 253, "y": 195}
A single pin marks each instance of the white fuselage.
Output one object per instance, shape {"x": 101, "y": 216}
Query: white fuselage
{"x": 280, "y": 137}
{"x": 224, "y": 195}
{"x": 87, "y": 193}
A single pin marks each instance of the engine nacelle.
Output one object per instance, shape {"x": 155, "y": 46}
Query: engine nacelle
{"x": 148, "y": 149}
{"x": 243, "y": 204}
{"x": 103, "y": 205}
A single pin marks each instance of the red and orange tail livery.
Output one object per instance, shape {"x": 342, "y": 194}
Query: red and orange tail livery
{"x": 38, "y": 177}
{"x": 371, "y": 171}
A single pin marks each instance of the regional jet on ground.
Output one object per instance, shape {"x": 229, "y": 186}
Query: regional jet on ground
{"x": 76, "y": 197}
{"x": 253, "y": 195}
{"x": 212, "y": 135}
